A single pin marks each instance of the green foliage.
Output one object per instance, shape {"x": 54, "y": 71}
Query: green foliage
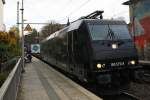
{"x": 34, "y": 33}
{"x": 3, "y": 77}
{"x": 49, "y": 29}
{"x": 9, "y": 46}
{"x": 35, "y": 36}
{"x": 4, "y": 52}
{"x": 32, "y": 37}
{"x": 6, "y": 69}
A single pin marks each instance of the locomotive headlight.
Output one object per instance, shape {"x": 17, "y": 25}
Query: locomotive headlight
{"x": 132, "y": 62}
{"x": 114, "y": 46}
{"x": 99, "y": 66}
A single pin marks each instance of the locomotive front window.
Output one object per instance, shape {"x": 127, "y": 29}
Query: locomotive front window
{"x": 121, "y": 31}
{"x": 100, "y": 32}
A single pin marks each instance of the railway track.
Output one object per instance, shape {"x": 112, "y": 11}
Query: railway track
{"x": 122, "y": 96}
{"x": 131, "y": 96}
{"x": 146, "y": 78}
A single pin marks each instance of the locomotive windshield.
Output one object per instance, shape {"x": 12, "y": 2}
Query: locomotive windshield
{"x": 108, "y": 32}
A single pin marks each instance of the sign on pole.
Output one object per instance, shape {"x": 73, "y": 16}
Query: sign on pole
{"x": 35, "y": 48}
{"x": 28, "y": 28}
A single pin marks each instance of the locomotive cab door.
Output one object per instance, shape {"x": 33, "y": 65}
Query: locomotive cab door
{"x": 72, "y": 50}
{"x": 75, "y": 49}
{"x": 70, "y": 59}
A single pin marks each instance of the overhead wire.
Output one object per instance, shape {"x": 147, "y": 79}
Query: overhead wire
{"x": 66, "y": 5}
{"x": 74, "y": 11}
{"x": 79, "y": 7}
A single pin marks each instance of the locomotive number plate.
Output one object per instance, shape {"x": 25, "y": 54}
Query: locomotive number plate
{"x": 117, "y": 64}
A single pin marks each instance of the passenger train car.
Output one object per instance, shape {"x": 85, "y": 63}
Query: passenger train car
{"x": 93, "y": 50}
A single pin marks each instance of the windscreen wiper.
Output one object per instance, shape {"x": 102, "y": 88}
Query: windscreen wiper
{"x": 113, "y": 37}
{"x": 110, "y": 34}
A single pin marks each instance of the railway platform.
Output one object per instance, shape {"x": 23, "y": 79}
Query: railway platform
{"x": 42, "y": 82}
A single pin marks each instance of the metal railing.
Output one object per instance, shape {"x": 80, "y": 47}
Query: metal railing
{"x": 9, "y": 89}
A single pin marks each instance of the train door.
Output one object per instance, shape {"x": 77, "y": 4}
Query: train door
{"x": 75, "y": 53}
{"x": 70, "y": 59}
{"x": 78, "y": 47}
{"x": 75, "y": 65}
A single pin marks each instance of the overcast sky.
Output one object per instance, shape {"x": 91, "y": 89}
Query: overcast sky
{"x": 59, "y": 10}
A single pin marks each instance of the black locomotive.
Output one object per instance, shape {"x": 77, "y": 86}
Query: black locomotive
{"x": 93, "y": 50}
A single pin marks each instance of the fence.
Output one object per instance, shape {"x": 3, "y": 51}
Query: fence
{"x": 9, "y": 89}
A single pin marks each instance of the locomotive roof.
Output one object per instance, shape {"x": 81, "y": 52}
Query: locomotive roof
{"x": 72, "y": 26}
{"x": 105, "y": 22}
{"x": 75, "y": 25}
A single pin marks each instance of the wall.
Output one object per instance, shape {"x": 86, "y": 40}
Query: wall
{"x": 140, "y": 26}
{"x": 140, "y": 13}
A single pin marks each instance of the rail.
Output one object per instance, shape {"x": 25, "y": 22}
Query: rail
{"x": 133, "y": 97}
{"x": 9, "y": 89}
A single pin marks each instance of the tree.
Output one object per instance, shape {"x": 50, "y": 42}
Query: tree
{"x": 14, "y": 37}
{"x": 9, "y": 48}
{"x": 14, "y": 30}
{"x": 4, "y": 46}
{"x": 49, "y": 29}
{"x": 33, "y": 37}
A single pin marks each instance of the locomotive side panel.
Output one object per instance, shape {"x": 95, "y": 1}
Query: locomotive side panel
{"x": 75, "y": 50}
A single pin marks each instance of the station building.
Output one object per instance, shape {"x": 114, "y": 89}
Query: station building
{"x": 140, "y": 20}
{"x": 140, "y": 23}
{"x": 2, "y": 26}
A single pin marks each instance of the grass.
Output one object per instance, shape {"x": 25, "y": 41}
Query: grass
{"x": 3, "y": 77}
{"x": 4, "y": 74}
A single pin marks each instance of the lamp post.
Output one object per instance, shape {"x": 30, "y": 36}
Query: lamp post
{"x": 18, "y": 15}
{"x": 22, "y": 31}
